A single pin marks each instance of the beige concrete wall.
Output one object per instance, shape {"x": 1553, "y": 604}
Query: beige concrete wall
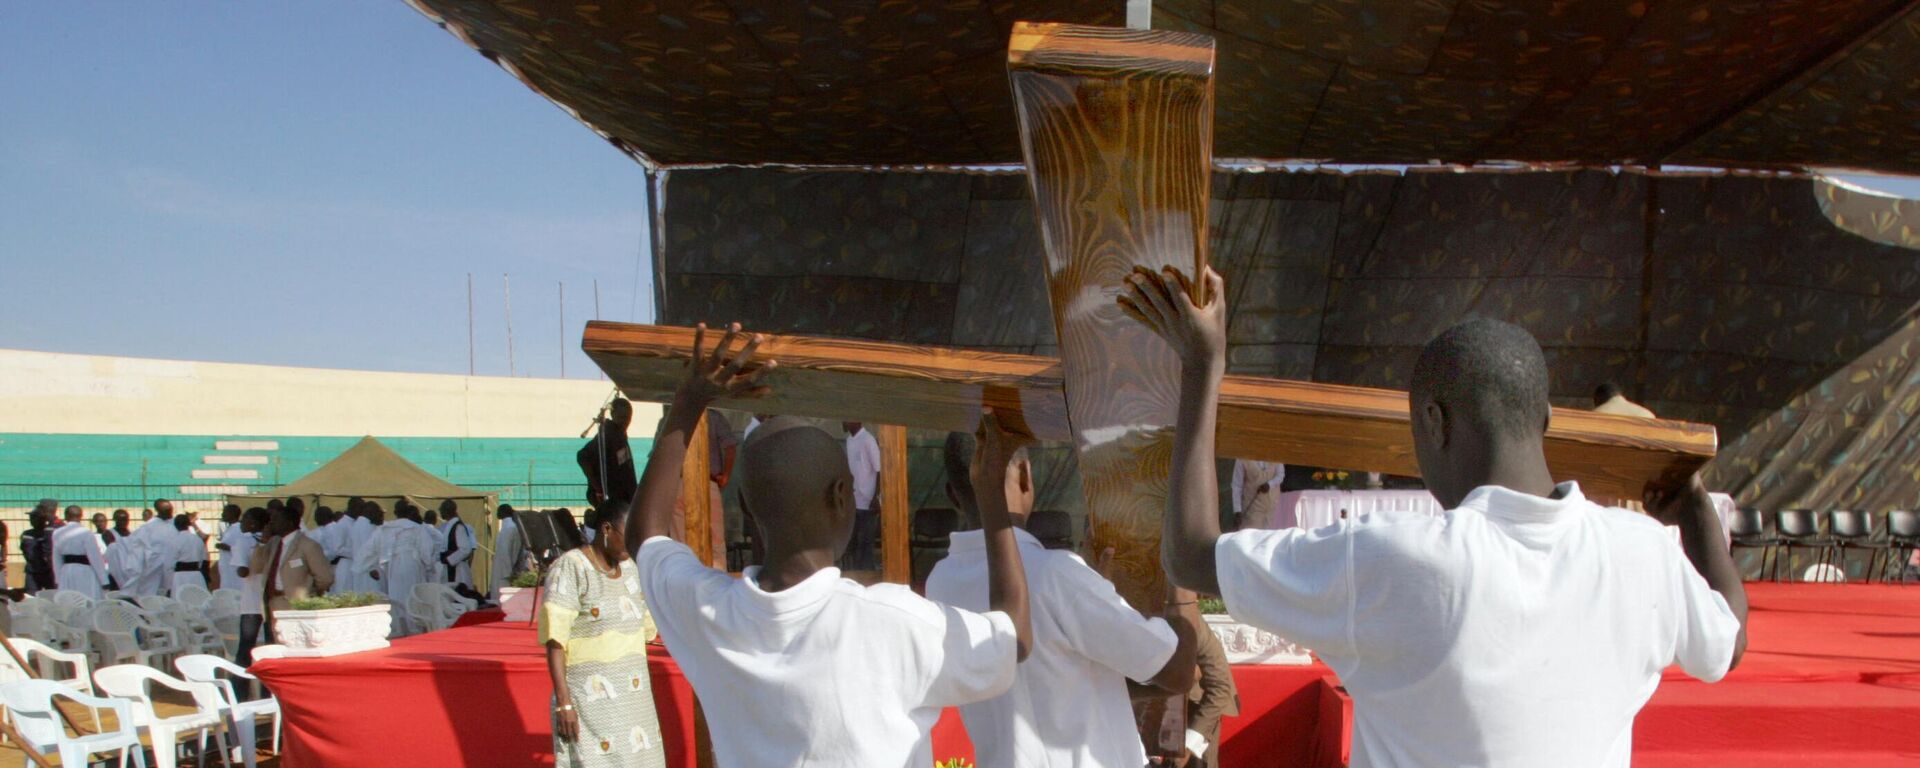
{"x": 85, "y": 394}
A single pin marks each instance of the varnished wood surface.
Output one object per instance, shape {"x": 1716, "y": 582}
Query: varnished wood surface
{"x": 695, "y": 498}
{"x": 896, "y": 558}
{"x": 1328, "y": 425}
{"x": 1116, "y": 129}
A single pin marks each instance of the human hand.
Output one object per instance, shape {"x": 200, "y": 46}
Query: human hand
{"x": 994, "y": 447}
{"x": 566, "y": 723}
{"x": 1163, "y": 301}
{"x": 1674, "y": 505}
{"x": 723, "y": 373}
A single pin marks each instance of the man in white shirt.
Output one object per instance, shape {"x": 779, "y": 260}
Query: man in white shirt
{"x": 80, "y": 564}
{"x": 1525, "y": 626}
{"x": 245, "y": 537}
{"x": 156, "y": 536}
{"x": 1256, "y": 490}
{"x": 455, "y": 545}
{"x": 793, "y": 664}
{"x": 863, "y": 460}
{"x": 1069, "y": 705}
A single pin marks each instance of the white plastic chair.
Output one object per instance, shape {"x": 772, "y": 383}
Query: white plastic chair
{"x": 61, "y": 626}
{"x": 196, "y": 630}
{"x": 130, "y": 681}
{"x": 242, "y": 714}
{"x": 32, "y": 706}
{"x": 42, "y": 662}
{"x": 223, "y": 598}
{"x": 193, "y": 596}
{"x": 126, "y": 634}
{"x": 434, "y": 606}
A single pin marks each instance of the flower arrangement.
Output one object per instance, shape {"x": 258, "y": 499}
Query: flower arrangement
{"x": 345, "y": 600}
{"x": 952, "y": 762}
{"x": 1334, "y": 478}
{"x": 525, "y": 580}
{"x": 1212, "y": 605}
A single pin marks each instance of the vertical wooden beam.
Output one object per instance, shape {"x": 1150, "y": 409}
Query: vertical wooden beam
{"x": 896, "y": 559}
{"x": 694, "y": 499}
{"x": 1116, "y": 127}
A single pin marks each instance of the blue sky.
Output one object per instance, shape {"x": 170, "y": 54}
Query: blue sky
{"x": 297, "y": 184}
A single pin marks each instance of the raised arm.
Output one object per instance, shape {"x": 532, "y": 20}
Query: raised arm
{"x": 721, "y": 374}
{"x": 1691, "y": 509}
{"x": 995, "y": 451}
{"x": 1198, "y": 334}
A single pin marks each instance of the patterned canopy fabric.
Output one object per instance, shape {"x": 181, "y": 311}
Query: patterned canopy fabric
{"x": 1708, "y": 298}
{"x": 1773, "y": 83}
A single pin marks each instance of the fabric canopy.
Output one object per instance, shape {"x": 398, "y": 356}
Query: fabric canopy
{"x": 372, "y": 471}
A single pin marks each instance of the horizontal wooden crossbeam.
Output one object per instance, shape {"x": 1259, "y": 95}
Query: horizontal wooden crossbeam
{"x": 1324, "y": 425}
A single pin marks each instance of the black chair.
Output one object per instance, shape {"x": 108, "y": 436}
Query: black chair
{"x": 1851, "y": 529}
{"x": 928, "y": 538}
{"x": 1052, "y": 527}
{"x": 1903, "y": 536}
{"x": 1750, "y": 530}
{"x": 1800, "y": 528}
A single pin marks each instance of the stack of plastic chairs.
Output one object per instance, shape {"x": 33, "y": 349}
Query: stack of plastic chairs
{"x": 242, "y": 714}
{"x": 123, "y": 633}
{"x": 197, "y": 632}
{"x": 69, "y": 669}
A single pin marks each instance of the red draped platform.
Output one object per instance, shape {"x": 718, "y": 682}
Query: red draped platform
{"x": 1831, "y": 676}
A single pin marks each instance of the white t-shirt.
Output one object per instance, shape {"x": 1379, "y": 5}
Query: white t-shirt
{"x": 1513, "y": 630}
{"x": 254, "y": 586}
{"x": 823, "y": 673}
{"x": 863, "y": 458}
{"x": 1069, "y": 704}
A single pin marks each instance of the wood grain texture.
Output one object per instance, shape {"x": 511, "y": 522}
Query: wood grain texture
{"x": 1329, "y": 425}
{"x": 896, "y": 561}
{"x": 1116, "y": 126}
{"x": 695, "y": 517}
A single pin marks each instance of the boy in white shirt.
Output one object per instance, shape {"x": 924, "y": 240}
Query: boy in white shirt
{"x": 1069, "y": 705}
{"x": 1525, "y": 626}
{"x": 793, "y": 664}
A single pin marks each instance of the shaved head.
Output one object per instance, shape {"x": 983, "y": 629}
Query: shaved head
{"x": 1478, "y": 396}
{"x": 798, "y": 486}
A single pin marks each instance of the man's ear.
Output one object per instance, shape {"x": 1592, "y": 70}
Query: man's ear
{"x": 1023, "y": 470}
{"x": 840, "y": 497}
{"x": 1438, "y": 429}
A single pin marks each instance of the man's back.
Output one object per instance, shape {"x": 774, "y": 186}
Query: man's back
{"x": 1513, "y": 630}
{"x": 826, "y": 672}
{"x": 1069, "y": 704}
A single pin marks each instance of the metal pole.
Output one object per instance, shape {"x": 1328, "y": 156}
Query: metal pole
{"x": 469, "y": 323}
{"x": 508, "y": 283}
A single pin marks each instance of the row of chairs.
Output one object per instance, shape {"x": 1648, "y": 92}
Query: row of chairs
{"x": 218, "y": 710}
{"x": 1830, "y": 535}
{"x": 122, "y": 628}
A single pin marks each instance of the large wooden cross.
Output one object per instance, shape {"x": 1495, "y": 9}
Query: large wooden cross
{"x": 1116, "y": 129}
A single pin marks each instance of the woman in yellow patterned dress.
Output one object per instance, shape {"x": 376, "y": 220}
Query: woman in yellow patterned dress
{"x": 595, "y": 625}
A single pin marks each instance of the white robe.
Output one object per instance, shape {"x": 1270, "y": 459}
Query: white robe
{"x": 156, "y": 536}
{"x": 508, "y": 551}
{"x": 188, "y": 547}
{"x": 127, "y": 560}
{"x": 88, "y": 578}
{"x": 336, "y": 540}
{"x": 402, "y": 552}
{"x": 230, "y": 558}
{"x": 461, "y": 555}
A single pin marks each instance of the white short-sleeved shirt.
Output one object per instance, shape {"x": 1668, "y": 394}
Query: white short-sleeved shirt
{"x": 1069, "y": 704}
{"x": 1514, "y": 630}
{"x": 823, "y": 673}
{"x": 252, "y": 588}
{"x": 863, "y": 458}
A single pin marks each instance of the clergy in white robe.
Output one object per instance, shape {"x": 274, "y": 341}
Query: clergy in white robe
{"x": 508, "y": 551}
{"x": 402, "y": 556}
{"x": 189, "y": 560}
{"x": 456, "y": 547}
{"x": 157, "y": 537}
{"x": 79, "y": 563}
{"x": 359, "y": 536}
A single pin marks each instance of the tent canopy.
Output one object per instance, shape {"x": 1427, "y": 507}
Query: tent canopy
{"x": 372, "y": 471}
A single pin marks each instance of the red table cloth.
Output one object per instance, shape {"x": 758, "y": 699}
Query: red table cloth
{"x": 479, "y": 695}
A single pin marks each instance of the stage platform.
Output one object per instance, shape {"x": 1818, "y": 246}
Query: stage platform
{"x": 1831, "y": 677}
